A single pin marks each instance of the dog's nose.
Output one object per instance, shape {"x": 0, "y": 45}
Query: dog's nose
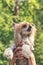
{"x": 29, "y": 28}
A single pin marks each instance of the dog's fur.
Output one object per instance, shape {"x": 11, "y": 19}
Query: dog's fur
{"x": 21, "y": 33}
{"x": 25, "y": 32}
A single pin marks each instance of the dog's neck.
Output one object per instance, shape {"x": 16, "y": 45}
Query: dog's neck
{"x": 29, "y": 39}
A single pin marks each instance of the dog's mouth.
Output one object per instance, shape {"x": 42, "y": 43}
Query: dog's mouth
{"x": 25, "y": 33}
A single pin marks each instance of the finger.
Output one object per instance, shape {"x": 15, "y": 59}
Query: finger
{"x": 19, "y": 53}
{"x": 18, "y": 49}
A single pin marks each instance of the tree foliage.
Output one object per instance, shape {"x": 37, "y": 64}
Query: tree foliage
{"x": 29, "y": 10}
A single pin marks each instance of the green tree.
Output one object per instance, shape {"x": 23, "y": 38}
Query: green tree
{"x": 29, "y": 10}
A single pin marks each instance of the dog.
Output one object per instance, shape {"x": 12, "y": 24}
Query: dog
{"x": 25, "y": 32}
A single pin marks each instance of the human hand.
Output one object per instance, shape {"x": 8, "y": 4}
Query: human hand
{"x": 18, "y": 53}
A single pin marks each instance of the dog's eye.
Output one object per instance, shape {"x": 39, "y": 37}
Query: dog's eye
{"x": 24, "y": 26}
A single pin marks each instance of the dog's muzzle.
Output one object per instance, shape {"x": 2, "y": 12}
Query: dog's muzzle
{"x": 29, "y": 28}
{"x": 26, "y": 30}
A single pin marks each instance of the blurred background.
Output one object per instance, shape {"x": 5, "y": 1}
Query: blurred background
{"x": 30, "y": 11}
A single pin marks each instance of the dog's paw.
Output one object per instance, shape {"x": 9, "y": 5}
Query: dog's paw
{"x": 26, "y": 50}
{"x": 8, "y": 53}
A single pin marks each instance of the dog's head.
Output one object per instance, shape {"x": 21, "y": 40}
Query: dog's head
{"x": 24, "y": 29}
{"x": 27, "y": 28}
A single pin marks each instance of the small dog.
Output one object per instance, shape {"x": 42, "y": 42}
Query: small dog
{"x": 24, "y": 32}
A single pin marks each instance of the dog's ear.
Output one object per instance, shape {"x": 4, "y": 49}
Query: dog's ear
{"x": 13, "y": 24}
{"x": 32, "y": 24}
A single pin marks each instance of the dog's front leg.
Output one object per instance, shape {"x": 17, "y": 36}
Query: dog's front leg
{"x": 16, "y": 55}
{"x": 11, "y": 62}
{"x": 31, "y": 60}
